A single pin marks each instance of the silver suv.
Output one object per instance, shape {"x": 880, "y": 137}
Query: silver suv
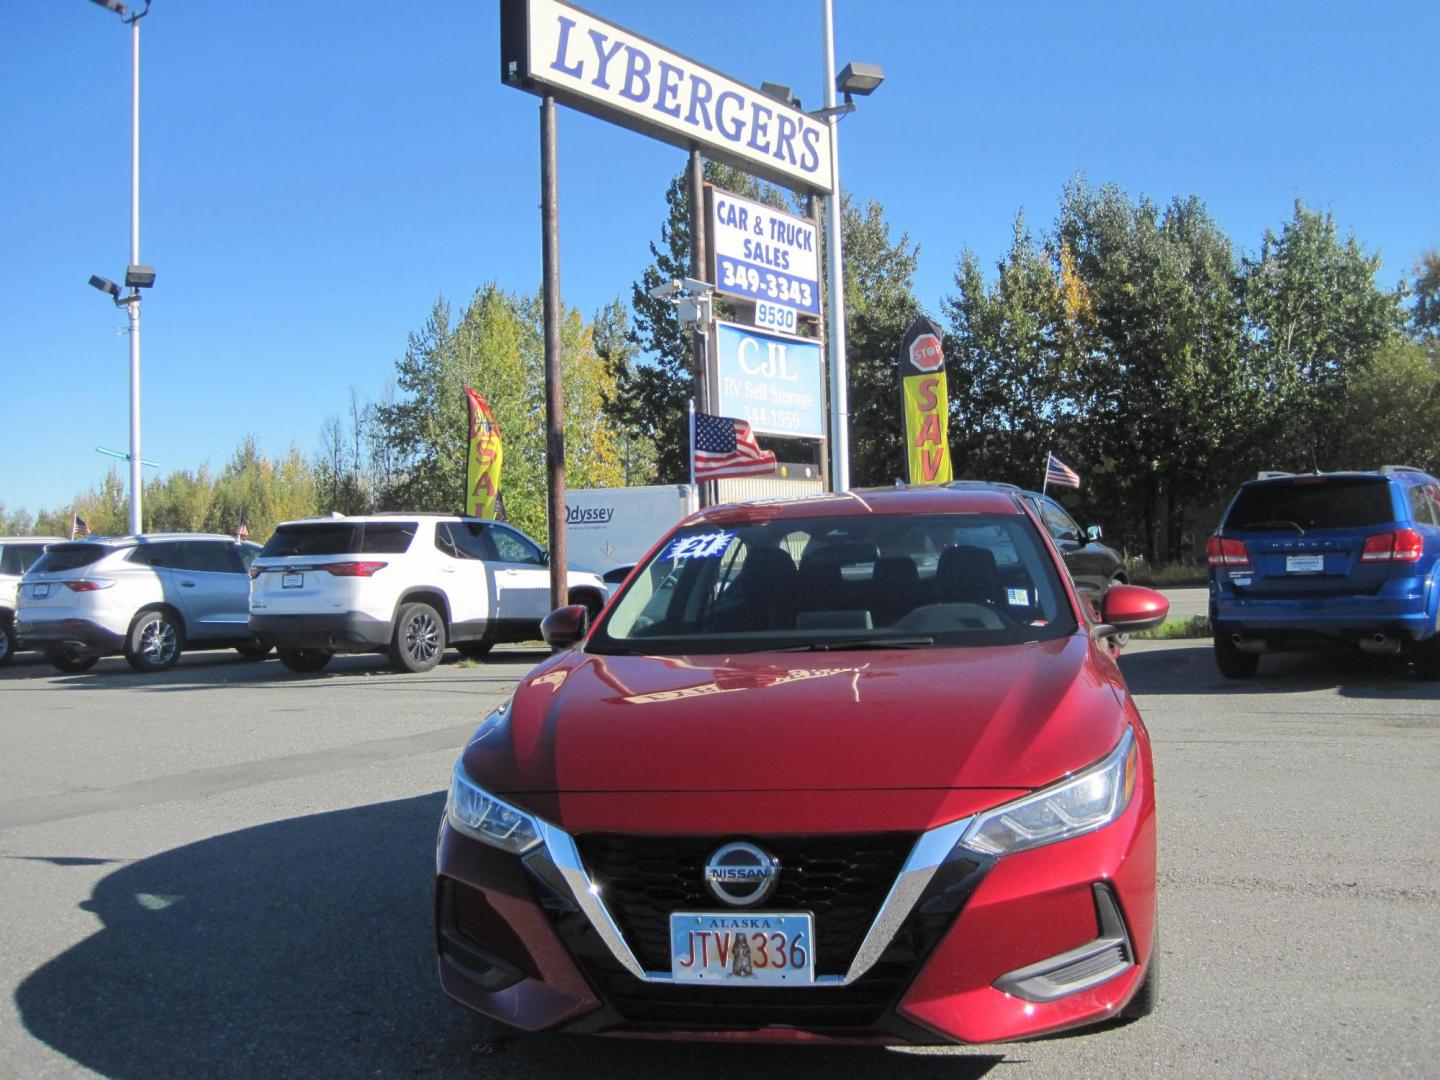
{"x": 149, "y": 597}
{"x": 17, "y": 553}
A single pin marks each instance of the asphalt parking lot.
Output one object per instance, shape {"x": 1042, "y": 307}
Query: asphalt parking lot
{"x": 224, "y": 870}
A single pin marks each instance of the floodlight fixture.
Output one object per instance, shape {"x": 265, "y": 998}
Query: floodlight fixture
{"x": 139, "y": 277}
{"x": 781, "y": 93}
{"x": 112, "y": 5}
{"x": 105, "y": 285}
{"x": 859, "y": 78}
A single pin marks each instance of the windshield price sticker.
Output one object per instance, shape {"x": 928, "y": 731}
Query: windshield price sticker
{"x": 700, "y": 546}
{"x": 776, "y": 316}
{"x": 764, "y": 254}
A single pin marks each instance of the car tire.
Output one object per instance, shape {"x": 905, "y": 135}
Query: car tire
{"x": 155, "y": 642}
{"x": 7, "y": 642}
{"x": 1233, "y": 663}
{"x": 1427, "y": 657}
{"x": 1148, "y": 996}
{"x": 418, "y": 641}
{"x": 304, "y": 661}
{"x": 71, "y": 663}
{"x": 474, "y": 650}
{"x": 257, "y": 651}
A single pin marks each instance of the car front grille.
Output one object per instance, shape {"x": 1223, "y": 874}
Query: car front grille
{"x": 841, "y": 880}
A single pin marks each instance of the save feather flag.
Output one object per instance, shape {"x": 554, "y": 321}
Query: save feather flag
{"x": 484, "y": 456}
{"x": 925, "y": 402}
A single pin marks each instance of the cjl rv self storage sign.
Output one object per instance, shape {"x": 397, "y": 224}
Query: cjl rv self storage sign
{"x": 764, "y": 254}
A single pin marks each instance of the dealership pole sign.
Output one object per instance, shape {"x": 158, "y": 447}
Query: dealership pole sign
{"x": 764, "y": 254}
{"x": 597, "y": 67}
{"x": 772, "y": 381}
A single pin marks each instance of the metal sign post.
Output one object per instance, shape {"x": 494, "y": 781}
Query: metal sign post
{"x": 554, "y": 392}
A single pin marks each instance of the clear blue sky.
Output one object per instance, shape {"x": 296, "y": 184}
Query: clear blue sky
{"x": 316, "y": 173}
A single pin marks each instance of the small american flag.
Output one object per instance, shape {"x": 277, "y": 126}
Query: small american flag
{"x": 727, "y": 447}
{"x": 78, "y": 527}
{"x": 242, "y": 530}
{"x": 1058, "y": 474}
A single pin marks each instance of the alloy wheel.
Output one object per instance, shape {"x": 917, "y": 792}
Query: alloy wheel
{"x": 158, "y": 642}
{"x": 422, "y": 637}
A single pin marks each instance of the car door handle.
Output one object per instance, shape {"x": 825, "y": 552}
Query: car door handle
{"x": 187, "y": 584}
{"x": 447, "y": 569}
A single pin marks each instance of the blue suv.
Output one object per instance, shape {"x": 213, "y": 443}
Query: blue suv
{"x": 1318, "y": 559}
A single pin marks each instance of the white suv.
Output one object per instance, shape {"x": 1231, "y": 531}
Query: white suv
{"x": 17, "y": 553}
{"x": 402, "y": 584}
{"x": 149, "y": 597}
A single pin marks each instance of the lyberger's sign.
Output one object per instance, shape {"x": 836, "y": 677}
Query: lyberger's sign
{"x": 600, "y": 68}
{"x": 925, "y": 403}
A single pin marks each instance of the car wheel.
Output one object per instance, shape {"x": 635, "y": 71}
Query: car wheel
{"x": 304, "y": 661}
{"x": 257, "y": 651}
{"x": 155, "y": 642}
{"x": 1148, "y": 996}
{"x": 7, "y": 642}
{"x": 419, "y": 638}
{"x": 1427, "y": 657}
{"x": 71, "y": 663}
{"x": 1233, "y": 663}
{"x": 474, "y": 650}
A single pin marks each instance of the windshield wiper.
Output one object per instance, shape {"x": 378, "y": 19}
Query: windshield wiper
{"x": 1284, "y": 523}
{"x": 843, "y": 644}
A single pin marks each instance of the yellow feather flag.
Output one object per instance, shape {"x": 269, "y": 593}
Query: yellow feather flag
{"x": 484, "y": 456}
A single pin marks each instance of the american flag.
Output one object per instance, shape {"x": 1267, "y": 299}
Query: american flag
{"x": 1058, "y": 474}
{"x": 78, "y": 527}
{"x": 242, "y": 530}
{"x": 726, "y": 447}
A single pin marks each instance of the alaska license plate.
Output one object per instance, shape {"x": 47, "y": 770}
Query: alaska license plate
{"x": 729, "y": 949}
{"x": 1304, "y": 564}
{"x": 292, "y": 581}
{"x": 40, "y": 592}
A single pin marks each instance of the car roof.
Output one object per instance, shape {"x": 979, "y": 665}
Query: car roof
{"x": 387, "y": 516}
{"x": 1403, "y": 473}
{"x": 866, "y": 501}
{"x": 135, "y": 539}
{"x": 32, "y": 539}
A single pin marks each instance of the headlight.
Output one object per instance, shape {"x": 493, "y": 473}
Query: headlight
{"x": 1077, "y": 805}
{"x": 480, "y": 815}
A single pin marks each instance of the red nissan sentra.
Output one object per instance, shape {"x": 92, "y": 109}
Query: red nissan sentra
{"x": 857, "y": 767}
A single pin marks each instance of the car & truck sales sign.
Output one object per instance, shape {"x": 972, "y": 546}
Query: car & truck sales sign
{"x": 600, "y": 68}
{"x": 764, "y": 254}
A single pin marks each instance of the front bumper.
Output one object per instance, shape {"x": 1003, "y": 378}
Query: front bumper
{"x": 348, "y": 631}
{"x": 980, "y": 950}
{"x": 79, "y": 636}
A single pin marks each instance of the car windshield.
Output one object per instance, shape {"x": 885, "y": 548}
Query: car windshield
{"x": 1312, "y": 502}
{"x": 845, "y": 582}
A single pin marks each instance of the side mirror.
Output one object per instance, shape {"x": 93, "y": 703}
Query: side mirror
{"x": 1129, "y": 609}
{"x": 1094, "y": 532}
{"x": 565, "y": 626}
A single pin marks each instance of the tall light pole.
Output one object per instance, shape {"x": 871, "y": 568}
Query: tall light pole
{"x": 855, "y": 79}
{"x": 137, "y": 277}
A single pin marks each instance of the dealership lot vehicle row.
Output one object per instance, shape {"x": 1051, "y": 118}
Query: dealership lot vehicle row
{"x": 1298, "y": 935}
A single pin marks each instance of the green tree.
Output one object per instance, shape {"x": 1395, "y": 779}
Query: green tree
{"x": 1425, "y": 316}
{"x": 1314, "y": 316}
{"x": 880, "y": 304}
{"x": 1392, "y": 409}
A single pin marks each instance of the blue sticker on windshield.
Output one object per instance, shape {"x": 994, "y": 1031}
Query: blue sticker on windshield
{"x": 700, "y": 546}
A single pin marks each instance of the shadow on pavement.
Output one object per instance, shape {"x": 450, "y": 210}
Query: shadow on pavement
{"x": 303, "y": 948}
{"x": 1189, "y": 668}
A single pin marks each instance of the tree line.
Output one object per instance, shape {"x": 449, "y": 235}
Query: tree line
{"x": 1132, "y": 338}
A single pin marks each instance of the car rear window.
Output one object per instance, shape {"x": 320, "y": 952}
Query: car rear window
{"x": 1312, "y": 503}
{"x": 68, "y": 557}
{"x": 16, "y": 558}
{"x": 340, "y": 538}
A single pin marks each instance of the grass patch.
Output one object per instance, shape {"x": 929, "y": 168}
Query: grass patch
{"x": 1167, "y": 576}
{"x": 1197, "y": 626}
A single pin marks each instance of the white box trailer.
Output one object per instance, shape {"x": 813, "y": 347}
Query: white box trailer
{"x": 609, "y": 530}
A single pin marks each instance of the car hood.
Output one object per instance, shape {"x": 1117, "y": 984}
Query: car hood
{"x": 1016, "y": 716}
